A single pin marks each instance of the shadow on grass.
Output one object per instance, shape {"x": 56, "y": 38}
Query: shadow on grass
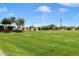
{"x": 6, "y": 31}
{"x": 9, "y": 31}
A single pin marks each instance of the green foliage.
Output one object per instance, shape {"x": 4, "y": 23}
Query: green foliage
{"x": 49, "y": 27}
{"x": 20, "y": 22}
{"x": 31, "y": 27}
{"x": 39, "y": 28}
{"x": 17, "y": 30}
{"x": 6, "y": 21}
{"x": 12, "y": 19}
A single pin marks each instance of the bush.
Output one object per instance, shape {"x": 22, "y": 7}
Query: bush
{"x": 1, "y": 28}
{"x": 17, "y": 30}
{"x": 10, "y": 28}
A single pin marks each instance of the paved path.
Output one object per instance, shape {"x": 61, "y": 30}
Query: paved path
{"x": 2, "y": 53}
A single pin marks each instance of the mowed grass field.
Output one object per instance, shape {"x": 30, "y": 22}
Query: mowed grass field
{"x": 40, "y": 43}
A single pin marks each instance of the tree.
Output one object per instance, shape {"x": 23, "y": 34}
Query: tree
{"x": 5, "y": 22}
{"x": 51, "y": 26}
{"x": 69, "y": 28}
{"x": 13, "y": 19}
{"x": 73, "y": 27}
{"x": 20, "y": 22}
{"x": 62, "y": 27}
{"x": 39, "y": 28}
{"x": 77, "y": 28}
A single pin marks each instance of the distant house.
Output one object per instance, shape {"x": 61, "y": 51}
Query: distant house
{"x": 32, "y": 28}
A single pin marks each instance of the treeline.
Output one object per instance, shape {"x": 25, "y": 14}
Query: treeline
{"x": 54, "y": 27}
{"x": 6, "y": 23}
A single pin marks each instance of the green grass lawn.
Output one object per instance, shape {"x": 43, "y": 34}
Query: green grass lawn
{"x": 40, "y": 43}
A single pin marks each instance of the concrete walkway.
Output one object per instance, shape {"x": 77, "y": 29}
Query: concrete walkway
{"x": 2, "y": 53}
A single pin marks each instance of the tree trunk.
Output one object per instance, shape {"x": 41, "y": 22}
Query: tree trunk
{"x": 5, "y": 28}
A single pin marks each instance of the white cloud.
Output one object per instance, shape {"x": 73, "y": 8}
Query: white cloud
{"x": 70, "y": 4}
{"x": 44, "y": 9}
{"x": 63, "y": 10}
{"x": 11, "y": 14}
{"x": 3, "y": 9}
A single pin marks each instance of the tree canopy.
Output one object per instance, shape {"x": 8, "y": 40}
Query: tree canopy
{"x": 6, "y": 21}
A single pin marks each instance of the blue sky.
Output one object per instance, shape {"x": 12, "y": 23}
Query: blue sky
{"x": 39, "y": 14}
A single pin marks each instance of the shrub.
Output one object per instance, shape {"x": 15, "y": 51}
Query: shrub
{"x": 1, "y": 28}
{"x": 10, "y": 28}
{"x": 17, "y": 30}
